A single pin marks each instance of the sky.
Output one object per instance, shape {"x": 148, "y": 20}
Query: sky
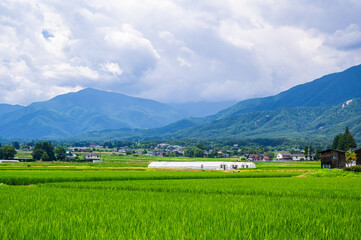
{"x": 173, "y": 51}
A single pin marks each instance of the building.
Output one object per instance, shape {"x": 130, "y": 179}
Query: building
{"x": 298, "y": 157}
{"x": 284, "y": 156}
{"x": 92, "y": 156}
{"x": 254, "y": 157}
{"x": 202, "y": 165}
{"x": 332, "y": 158}
{"x": 266, "y": 158}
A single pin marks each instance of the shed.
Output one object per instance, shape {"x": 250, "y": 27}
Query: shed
{"x": 332, "y": 158}
{"x": 202, "y": 165}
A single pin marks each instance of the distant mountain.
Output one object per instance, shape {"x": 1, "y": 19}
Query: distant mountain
{"x": 202, "y": 109}
{"x": 293, "y": 123}
{"x": 312, "y": 110}
{"x": 328, "y": 90}
{"x": 86, "y": 110}
{"x": 5, "y": 108}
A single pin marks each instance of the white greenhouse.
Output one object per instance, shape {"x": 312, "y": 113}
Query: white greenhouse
{"x": 203, "y": 165}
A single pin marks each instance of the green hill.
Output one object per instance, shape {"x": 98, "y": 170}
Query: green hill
{"x": 326, "y": 91}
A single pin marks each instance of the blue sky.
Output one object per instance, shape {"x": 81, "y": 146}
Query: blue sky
{"x": 173, "y": 51}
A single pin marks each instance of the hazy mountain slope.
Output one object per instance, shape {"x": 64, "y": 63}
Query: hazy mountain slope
{"x": 325, "y": 91}
{"x": 202, "y": 109}
{"x": 5, "y": 108}
{"x": 86, "y": 110}
{"x": 293, "y": 123}
{"x": 316, "y": 122}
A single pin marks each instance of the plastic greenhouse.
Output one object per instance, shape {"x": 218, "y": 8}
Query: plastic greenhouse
{"x": 203, "y": 165}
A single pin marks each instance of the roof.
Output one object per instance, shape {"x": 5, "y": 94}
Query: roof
{"x": 298, "y": 155}
{"x": 329, "y": 150}
{"x": 285, "y": 154}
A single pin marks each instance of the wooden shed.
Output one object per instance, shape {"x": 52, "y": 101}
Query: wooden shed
{"x": 332, "y": 158}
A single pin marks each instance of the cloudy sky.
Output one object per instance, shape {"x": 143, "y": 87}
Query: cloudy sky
{"x": 173, "y": 51}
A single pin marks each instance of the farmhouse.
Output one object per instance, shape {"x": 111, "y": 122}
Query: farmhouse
{"x": 92, "y": 156}
{"x": 298, "y": 157}
{"x": 332, "y": 158}
{"x": 202, "y": 165}
{"x": 284, "y": 156}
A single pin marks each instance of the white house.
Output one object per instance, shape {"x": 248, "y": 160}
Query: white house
{"x": 202, "y": 165}
{"x": 92, "y": 156}
{"x": 298, "y": 157}
{"x": 284, "y": 156}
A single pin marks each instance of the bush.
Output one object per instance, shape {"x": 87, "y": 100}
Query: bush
{"x": 356, "y": 168}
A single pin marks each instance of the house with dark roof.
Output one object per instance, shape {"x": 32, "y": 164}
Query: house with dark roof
{"x": 332, "y": 158}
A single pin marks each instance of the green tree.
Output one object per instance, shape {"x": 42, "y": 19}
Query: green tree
{"x": 16, "y": 145}
{"x": 306, "y": 149}
{"x": 60, "y": 153}
{"x": 310, "y": 151}
{"x": 45, "y": 157}
{"x": 198, "y": 152}
{"x": 41, "y": 148}
{"x": 317, "y": 154}
{"x": 344, "y": 141}
{"x": 7, "y": 152}
{"x": 37, "y": 153}
{"x": 189, "y": 152}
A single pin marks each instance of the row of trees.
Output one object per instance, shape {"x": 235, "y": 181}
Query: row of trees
{"x": 45, "y": 151}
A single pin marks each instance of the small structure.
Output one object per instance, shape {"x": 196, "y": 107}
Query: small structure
{"x": 266, "y": 158}
{"x": 284, "y": 156}
{"x": 202, "y": 165}
{"x": 8, "y": 161}
{"x": 92, "y": 156}
{"x": 332, "y": 158}
{"x": 298, "y": 157}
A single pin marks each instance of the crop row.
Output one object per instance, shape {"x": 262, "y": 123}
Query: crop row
{"x": 12, "y": 177}
{"x": 337, "y": 188}
{"x": 105, "y": 211}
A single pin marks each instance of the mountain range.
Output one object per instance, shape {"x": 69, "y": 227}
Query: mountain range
{"x": 317, "y": 109}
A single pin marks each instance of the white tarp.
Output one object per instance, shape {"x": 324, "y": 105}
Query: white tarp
{"x": 9, "y": 161}
{"x": 203, "y": 165}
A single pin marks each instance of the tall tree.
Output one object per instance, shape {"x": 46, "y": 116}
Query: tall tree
{"x": 16, "y": 145}
{"x": 306, "y": 152}
{"x": 41, "y": 148}
{"x": 60, "y": 153}
{"x": 344, "y": 141}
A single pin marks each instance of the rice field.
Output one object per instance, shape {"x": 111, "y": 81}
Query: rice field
{"x": 115, "y": 204}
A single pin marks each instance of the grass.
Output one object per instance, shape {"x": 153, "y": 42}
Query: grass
{"x": 275, "y": 201}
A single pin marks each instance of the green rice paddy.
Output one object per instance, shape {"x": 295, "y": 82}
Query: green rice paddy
{"x": 271, "y": 202}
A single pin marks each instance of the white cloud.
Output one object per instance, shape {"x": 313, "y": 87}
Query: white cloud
{"x": 112, "y": 68}
{"x": 173, "y": 50}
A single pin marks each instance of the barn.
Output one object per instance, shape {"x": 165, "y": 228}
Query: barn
{"x": 332, "y": 158}
{"x": 203, "y": 165}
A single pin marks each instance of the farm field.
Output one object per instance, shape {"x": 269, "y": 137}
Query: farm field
{"x": 277, "y": 201}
